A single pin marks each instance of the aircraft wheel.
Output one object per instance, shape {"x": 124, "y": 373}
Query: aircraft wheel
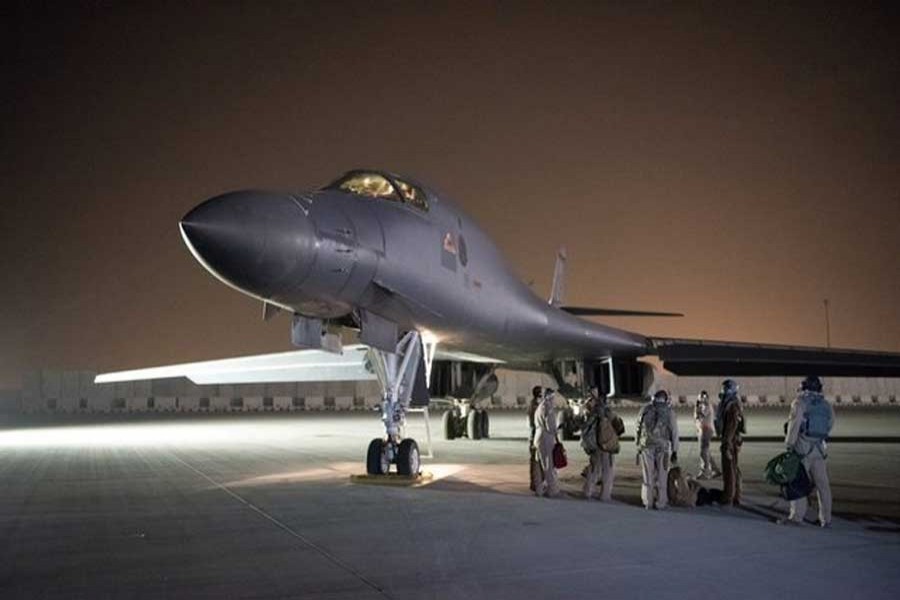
{"x": 449, "y": 422}
{"x": 473, "y": 425}
{"x": 485, "y": 425}
{"x": 376, "y": 461}
{"x": 408, "y": 457}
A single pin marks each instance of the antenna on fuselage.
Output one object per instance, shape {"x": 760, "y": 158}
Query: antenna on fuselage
{"x": 558, "y": 291}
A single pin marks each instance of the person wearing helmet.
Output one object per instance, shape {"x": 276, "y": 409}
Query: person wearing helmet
{"x": 809, "y": 425}
{"x": 605, "y": 427}
{"x": 703, "y": 419}
{"x": 730, "y": 425}
{"x": 657, "y": 442}
{"x": 544, "y": 441}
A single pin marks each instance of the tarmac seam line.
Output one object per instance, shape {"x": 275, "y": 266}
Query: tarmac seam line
{"x": 286, "y": 528}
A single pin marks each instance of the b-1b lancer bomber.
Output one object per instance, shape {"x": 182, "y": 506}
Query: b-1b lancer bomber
{"x": 435, "y": 305}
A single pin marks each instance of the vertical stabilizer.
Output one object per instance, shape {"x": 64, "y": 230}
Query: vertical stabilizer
{"x": 558, "y": 292}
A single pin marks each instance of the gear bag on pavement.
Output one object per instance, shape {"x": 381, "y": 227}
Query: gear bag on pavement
{"x": 818, "y": 418}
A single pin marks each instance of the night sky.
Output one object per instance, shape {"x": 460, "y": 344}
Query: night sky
{"x": 737, "y": 165}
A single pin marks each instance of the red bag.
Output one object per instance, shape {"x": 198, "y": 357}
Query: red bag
{"x": 560, "y": 460}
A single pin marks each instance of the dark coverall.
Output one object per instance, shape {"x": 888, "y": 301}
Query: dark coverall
{"x": 732, "y": 420}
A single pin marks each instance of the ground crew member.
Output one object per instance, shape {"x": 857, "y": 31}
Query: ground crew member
{"x": 602, "y": 465}
{"x": 536, "y": 393}
{"x": 544, "y": 441}
{"x": 657, "y": 442}
{"x": 534, "y": 469}
{"x": 806, "y": 436}
{"x": 730, "y": 425}
{"x": 703, "y": 419}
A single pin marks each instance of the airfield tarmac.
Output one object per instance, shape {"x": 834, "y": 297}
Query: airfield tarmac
{"x": 261, "y": 506}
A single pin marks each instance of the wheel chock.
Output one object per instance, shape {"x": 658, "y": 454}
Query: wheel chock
{"x": 393, "y": 479}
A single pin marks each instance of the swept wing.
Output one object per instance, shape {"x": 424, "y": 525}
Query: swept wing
{"x": 297, "y": 365}
{"x": 706, "y": 357}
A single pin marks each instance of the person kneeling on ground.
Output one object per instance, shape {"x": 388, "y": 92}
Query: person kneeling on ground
{"x": 684, "y": 490}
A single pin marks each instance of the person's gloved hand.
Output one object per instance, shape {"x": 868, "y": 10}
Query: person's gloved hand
{"x": 674, "y": 457}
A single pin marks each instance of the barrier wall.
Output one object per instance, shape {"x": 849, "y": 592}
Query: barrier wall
{"x": 73, "y": 392}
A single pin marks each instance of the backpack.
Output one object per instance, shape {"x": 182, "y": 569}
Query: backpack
{"x": 655, "y": 430}
{"x": 618, "y": 424}
{"x": 818, "y": 418}
{"x": 783, "y": 469}
{"x": 608, "y": 433}
{"x": 589, "y": 435}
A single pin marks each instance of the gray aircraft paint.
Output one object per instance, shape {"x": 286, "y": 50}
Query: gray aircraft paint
{"x": 330, "y": 254}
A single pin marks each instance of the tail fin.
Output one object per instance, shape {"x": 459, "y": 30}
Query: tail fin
{"x": 558, "y": 292}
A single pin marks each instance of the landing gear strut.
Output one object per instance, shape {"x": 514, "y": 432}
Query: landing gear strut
{"x": 397, "y": 372}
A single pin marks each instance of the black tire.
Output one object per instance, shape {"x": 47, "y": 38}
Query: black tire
{"x": 374, "y": 458}
{"x": 408, "y": 458}
{"x": 485, "y": 425}
{"x": 473, "y": 425}
{"x": 449, "y": 422}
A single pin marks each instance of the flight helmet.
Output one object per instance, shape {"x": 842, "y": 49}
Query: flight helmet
{"x": 811, "y": 384}
{"x": 729, "y": 388}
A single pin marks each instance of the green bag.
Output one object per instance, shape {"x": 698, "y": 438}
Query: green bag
{"x": 783, "y": 469}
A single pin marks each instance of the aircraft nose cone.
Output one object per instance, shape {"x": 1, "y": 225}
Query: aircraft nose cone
{"x": 259, "y": 242}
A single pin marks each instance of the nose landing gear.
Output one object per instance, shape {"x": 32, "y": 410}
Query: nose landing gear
{"x": 397, "y": 373}
{"x": 382, "y": 454}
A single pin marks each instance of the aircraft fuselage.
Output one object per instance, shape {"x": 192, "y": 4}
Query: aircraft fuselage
{"x": 424, "y": 266}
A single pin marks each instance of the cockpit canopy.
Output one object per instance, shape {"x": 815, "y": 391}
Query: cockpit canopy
{"x": 381, "y": 185}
